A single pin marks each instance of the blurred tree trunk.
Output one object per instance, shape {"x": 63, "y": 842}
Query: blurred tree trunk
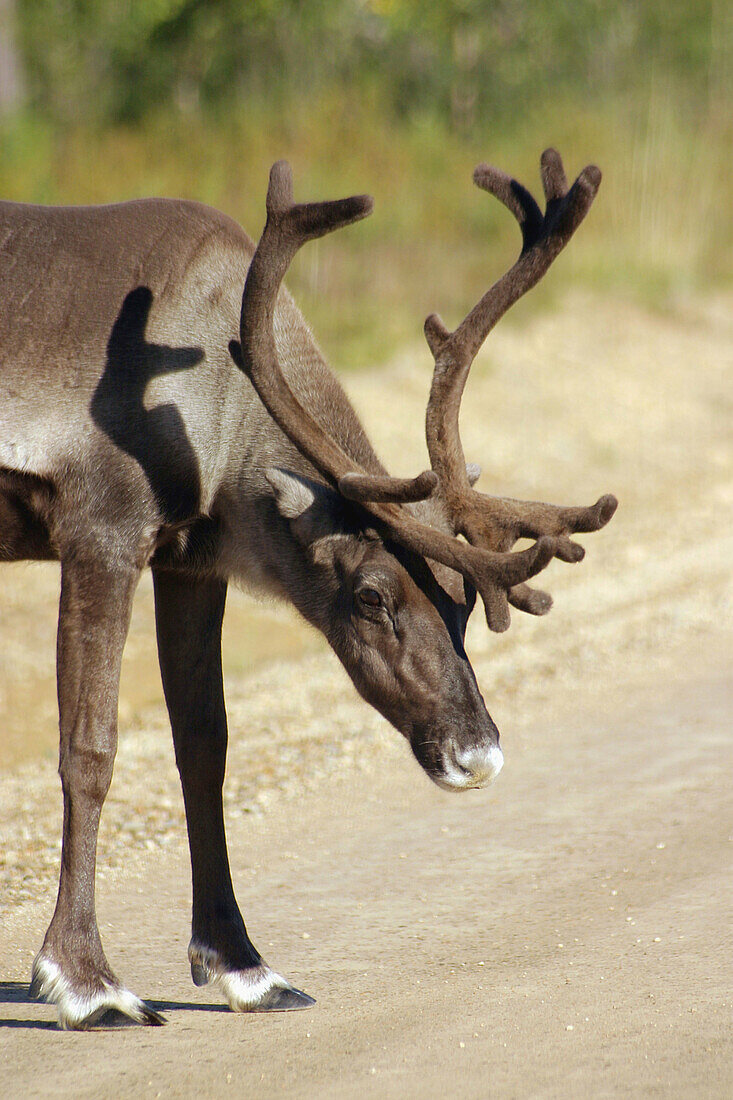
{"x": 11, "y": 67}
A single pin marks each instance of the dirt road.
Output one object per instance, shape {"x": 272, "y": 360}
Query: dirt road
{"x": 567, "y": 933}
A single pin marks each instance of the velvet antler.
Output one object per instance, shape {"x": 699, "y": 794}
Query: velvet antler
{"x": 288, "y": 226}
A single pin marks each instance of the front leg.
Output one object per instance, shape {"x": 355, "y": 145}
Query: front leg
{"x": 189, "y": 615}
{"x": 71, "y": 969}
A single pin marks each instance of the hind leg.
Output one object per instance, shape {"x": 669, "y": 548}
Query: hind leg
{"x": 71, "y": 969}
{"x": 189, "y": 616}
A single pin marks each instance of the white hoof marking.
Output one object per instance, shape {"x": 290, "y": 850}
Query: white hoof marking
{"x": 79, "y": 1012}
{"x": 244, "y": 990}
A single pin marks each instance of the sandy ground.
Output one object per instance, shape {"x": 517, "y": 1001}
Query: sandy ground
{"x": 567, "y": 933}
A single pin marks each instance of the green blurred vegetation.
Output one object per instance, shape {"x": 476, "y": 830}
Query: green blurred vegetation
{"x": 197, "y": 97}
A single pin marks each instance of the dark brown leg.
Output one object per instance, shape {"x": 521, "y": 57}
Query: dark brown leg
{"x": 189, "y": 615}
{"x": 71, "y": 969}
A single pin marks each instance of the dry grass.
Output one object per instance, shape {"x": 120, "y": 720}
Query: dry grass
{"x": 662, "y": 226}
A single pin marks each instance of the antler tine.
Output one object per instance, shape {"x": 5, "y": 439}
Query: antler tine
{"x": 306, "y": 221}
{"x": 554, "y": 180}
{"x": 543, "y": 237}
{"x": 515, "y": 197}
{"x": 370, "y": 488}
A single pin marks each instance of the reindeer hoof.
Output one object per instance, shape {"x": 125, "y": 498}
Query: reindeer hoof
{"x": 107, "y": 1005}
{"x": 117, "y": 1017}
{"x": 253, "y": 989}
{"x": 261, "y": 990}
{"x": 270, "y": 993}
{"x": 284, "y": 999}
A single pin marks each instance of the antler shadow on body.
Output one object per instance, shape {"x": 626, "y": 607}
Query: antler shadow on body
{"x": 150, "y": 436}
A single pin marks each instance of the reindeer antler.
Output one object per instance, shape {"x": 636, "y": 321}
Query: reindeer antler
{"x": 493, "y": 573}
{"x": 493, "y": 522}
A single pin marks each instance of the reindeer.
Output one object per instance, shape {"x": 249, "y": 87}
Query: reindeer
{"x": 129, "y": 438}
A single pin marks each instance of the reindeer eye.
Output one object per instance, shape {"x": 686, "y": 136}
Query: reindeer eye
{"x": 370, "y": 598}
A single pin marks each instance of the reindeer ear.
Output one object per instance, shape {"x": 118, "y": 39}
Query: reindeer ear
{"x": 314, "y": 510}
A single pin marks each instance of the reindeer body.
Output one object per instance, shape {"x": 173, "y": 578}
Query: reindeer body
{"x": 128, "y": 438}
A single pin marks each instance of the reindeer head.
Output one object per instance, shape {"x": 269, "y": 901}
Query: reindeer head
{"x": 398, "y": 562}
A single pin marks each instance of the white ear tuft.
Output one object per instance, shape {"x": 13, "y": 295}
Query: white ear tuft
{"x": 314, "y": 511}
{"x": 293, "y": 494}
{"x": 473, "y": 471}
